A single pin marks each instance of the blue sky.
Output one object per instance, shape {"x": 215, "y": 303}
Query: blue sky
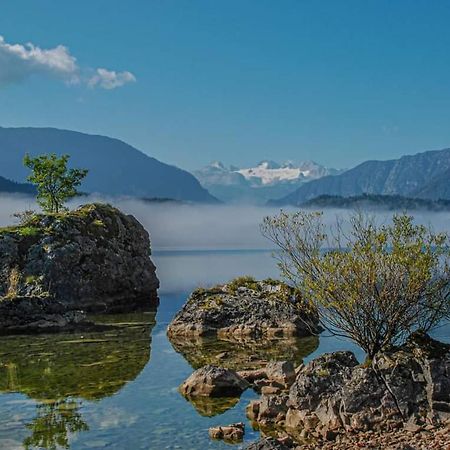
{"x": 338, "y": 82}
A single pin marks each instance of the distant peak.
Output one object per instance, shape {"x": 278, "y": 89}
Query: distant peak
{"x": 267, "y": 164}
{"x": 217, "y": 165}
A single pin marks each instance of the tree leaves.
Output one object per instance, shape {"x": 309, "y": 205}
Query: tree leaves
{"x": 55, "y": 183}
{"x": 373, "y": 284}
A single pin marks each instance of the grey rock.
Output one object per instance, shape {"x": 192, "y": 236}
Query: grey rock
{"x": 254, "y": 309}
{"x": 93, "y": 259}
{"x": 213, "y": 381}
{"x": 406, "y": 385}
{"x": 266, "y": 443}
{"x": 232, "y": 433}
{"x": 282, "y": 372}
{"x": 35, "y": 314}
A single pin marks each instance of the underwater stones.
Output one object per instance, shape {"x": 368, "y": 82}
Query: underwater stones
{"x": 93, "y": 259}
{"x": 213, "y": 381}
{"x": 245, "y": 307}
{"x": 231, "y": 433}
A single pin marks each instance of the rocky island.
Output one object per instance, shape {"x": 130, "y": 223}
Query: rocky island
{"x": 245, "y": 308}
{"x": 55, "y": 267}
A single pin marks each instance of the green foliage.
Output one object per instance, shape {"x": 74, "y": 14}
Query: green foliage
{"x": 98, "y": 223}
{"x": 373, "y": 284}
{"x": 54, "y": 424}
{"x": 245, "y": 281}
{"x": 55, "y": 183}
{"x": 271, "y": 281}
{"x": 31, "y": 279}
{"x": 212, "y": 302}
{"x": 28, "y": 231}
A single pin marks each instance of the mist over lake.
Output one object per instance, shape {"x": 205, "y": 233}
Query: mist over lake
{"x": 196, "y": 245}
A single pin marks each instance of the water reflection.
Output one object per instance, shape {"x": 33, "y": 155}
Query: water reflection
{"x": 53, "y": 425}
{"x": 212, "y": 406}
{"x": 60, "y": 370}
{"x": 237, "y": 354}
{"x": 245, "y": 353}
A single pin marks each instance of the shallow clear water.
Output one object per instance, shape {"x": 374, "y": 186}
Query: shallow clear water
{"x": 117, "y": 388}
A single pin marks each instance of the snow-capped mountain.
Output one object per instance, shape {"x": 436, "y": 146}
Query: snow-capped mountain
{"x": 267, "y": 180}
{"x": 268, "y": 173}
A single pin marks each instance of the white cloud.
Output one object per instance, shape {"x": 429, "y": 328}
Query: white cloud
{"x": 19, "y": 61}
{"x": 109, "y": 79}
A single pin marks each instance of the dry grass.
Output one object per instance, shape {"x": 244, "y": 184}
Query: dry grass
{"x": 14, "y": 281}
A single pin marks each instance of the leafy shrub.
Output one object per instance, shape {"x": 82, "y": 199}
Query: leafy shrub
{"x": 373, "y": 284}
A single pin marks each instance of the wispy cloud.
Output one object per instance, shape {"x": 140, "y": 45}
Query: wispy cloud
{"x": 109, "y": 79}
{"x": 20, "y": 61}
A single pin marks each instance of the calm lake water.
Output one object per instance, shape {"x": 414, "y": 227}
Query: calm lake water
{"x": 117, "y": 389}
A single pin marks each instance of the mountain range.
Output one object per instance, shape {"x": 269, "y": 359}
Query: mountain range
{"x": 266, "y": 180}
{"x": 118, "y": 169}
{"x": 115, "y": 168}
{"x": 9, "y": 186}
{"x": 377, "y": 202}
{"x": 424, "y": 175}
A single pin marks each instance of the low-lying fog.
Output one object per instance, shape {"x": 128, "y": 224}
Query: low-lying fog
{"x": 196, "y": 244}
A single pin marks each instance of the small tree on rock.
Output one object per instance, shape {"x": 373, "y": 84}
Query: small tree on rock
{"x": 374, "y": 284}
{"x": 55, "y": 183}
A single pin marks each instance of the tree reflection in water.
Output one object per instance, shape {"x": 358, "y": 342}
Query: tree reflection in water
{"x": 61, "y": 370}
{"x": 53, "y": 425}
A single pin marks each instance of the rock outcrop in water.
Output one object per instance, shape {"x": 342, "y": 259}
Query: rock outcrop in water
{"x": 93, "y": 259}
{"x": 231, "y": 433}
{"x": 245, "y": 307}
{"x": 407, "y": 387}
{"x": 213, "y": 381}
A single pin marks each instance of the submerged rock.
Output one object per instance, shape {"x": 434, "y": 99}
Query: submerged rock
{"x": 245, "y": 307}
{"x": 231, "y": 433}
{"x": 93, "y": 259}
{"x": 408, "y": 386}
{"x": 213, "y": 381}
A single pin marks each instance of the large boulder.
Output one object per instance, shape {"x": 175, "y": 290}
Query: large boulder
{"x": 245, "y": 307}
{"x": 213, "y": 381}
{"x": 93, "y": 259}
{"x": 408, "y": 386}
